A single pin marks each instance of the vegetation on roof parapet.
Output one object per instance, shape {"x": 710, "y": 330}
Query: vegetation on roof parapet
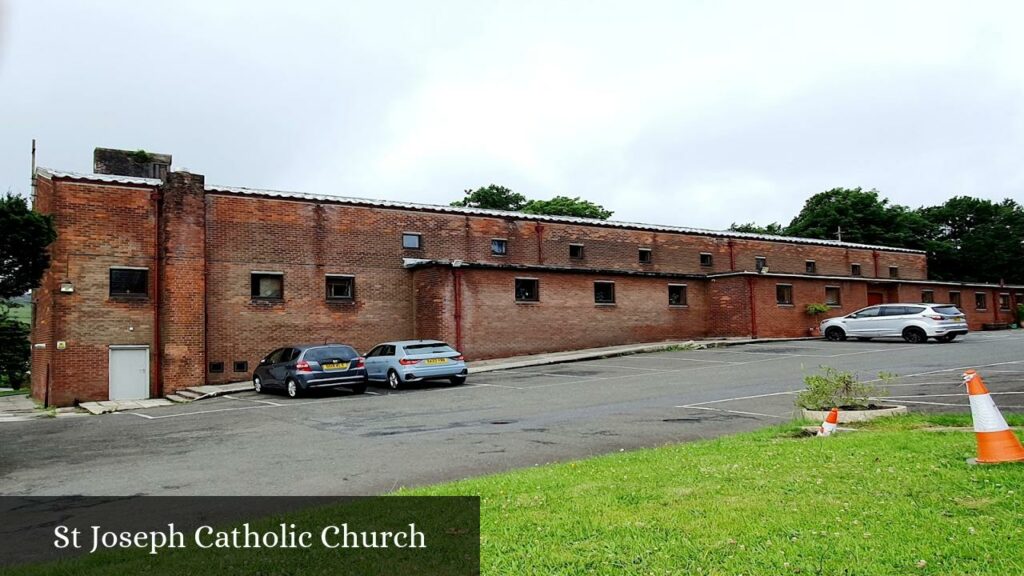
{"x": 141, "y": 156}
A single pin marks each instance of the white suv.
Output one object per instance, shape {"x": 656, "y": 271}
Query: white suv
{"x": 915, "y": 323}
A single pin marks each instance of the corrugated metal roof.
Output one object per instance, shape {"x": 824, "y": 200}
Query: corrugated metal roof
{"x": 105, "y": 178}
{"x": 544, "y": 218}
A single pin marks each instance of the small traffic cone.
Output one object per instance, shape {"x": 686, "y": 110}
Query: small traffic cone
{"x": 996, "y": 442}
{"x": 829, "y": 425}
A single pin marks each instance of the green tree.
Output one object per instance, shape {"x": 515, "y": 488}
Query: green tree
{"x": 773, "y": 229}
{"x": 23, "y": 254}
{"x": 23, "y": 259}
{"x": 976, "y": 240}
{"x": 492, "y": 197}
{"x": 565, "y": 206}
{"x": 863, "y": 217}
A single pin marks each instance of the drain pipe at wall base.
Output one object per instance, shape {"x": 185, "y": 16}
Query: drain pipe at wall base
{"x": 457, "y": 273}
{"x": 753, "y": 307}
{"x": 156, "y": 389}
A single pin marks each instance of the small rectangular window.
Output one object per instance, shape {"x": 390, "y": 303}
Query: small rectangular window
{"x": 855, "y": 270}
{"x": 677, "y": 295}
{"x": 833, "y": 296}
{"x": 760, "y": 263}
{"x": 894, "y": 271}
{"x": 527, "y": 290}
{"x": 604, "y": 292}
{"x": 980, "y": 301}
{"x": 216, "y": 367}
{"x": 784, "y": 294}
{"x": 1004, "y": 301}
{"x": 645, "y": 256}
{"x": 706, "y": 259}
{"x": 241, "y": 366}
{"x": 954, "y": 298}
{"x": 129, "y": 282}
{"x": 267, "y": 286}
{"x": 811, "y": 267}
{"x": 340, "y": 287}
{"x": 927, "y": 296}
{"x": 576, "y": 251}
{"x": 499, "y": 247}
{"x": 411, "y": 241}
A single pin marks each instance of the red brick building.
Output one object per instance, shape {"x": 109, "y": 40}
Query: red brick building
{"x": 159, "y": 281}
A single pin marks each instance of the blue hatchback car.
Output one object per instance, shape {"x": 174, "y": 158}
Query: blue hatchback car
{"x": 398, "y": 363}
{"x": 299, "y": 368}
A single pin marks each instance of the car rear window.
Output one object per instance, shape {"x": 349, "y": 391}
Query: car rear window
{"x": 913, "y": 309}
{"x": 331, "y": 353}
{"x": 948, "y": 310}
{"x": 432, "y": 348}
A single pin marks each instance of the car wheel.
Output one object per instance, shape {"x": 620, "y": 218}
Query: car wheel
{"x": 914, "y": 335}
{"x": 393, "y": 380}
{"x": 293, "y": 389}
{"x": 358, "y": 388}
{"x": 257, "y": 384}
{"x": 458, "y": 380}
{"x": 947, "y": 338}
{"x": 835, "y": 334}
{"x": 864, "y": 339}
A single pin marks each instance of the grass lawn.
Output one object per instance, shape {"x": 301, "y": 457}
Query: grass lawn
{"x": 22, "y": 313}
{"x": 21, "y": 391}
{"x": 894, "y": 499}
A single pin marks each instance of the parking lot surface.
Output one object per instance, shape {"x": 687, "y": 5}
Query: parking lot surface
{"x": 337, "y": 443}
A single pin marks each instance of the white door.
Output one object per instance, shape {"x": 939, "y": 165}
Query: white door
{"x": 129, "y": 372}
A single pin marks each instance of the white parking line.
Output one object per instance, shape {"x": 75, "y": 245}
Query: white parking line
{"x": 696, "y": 404}
{"x": 733, "y": 411}
{"x": 253, "y": 400}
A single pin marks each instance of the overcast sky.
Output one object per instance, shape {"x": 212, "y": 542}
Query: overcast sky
{"x": 680, "y": 112}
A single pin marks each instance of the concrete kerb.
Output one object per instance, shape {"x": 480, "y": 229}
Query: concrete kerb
{"x": 612, "y": 352}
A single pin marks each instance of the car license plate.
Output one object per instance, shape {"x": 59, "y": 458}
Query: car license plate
{"x": 335, "y": 366}
{"x": 958, "y": 319}
{"x": 437, "y": 361}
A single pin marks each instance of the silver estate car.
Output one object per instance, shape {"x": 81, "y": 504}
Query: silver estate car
{"x": 398, "y": 363}
{"x": 915, "y": 323}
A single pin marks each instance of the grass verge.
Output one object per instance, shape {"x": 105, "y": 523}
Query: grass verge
{"x": 891, "y": 499}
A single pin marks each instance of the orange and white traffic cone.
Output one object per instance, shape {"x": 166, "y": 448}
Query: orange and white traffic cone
{"x": 996, "y": 442}
{"x": 829, "y": 425}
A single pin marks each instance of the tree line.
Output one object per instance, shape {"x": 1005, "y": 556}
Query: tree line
{"x": 966, "y": 238}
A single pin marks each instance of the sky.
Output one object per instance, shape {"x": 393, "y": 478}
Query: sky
{"x": 686, "y": 113}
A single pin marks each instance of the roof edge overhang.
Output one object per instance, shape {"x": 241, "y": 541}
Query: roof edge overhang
{"x": 413, "y": 263}
{"x": 865, "y": 279}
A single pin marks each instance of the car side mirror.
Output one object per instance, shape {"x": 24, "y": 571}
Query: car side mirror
{"x": 852, "y": 316}
{"x": 263, "y": 361}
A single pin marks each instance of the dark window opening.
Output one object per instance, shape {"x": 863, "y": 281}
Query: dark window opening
{"x": 784, "y": 294}
{"x": 1004, "y": 301}
{"x": 216, "y": 367}
{"x": 676, "y": 295}
{"x": 527, "y": 290}
{"x": 411, "y": 241}
{"x": 129, "y": 283}
{"x": 499, "y": 247}
{"x": 811, "y": 266}
{"x": 894, "y": 272}
{"x": 706, "y": 259}
{"x": 855, "y": 269}
{"x": 928, "y": 296}
{"x": 241, "y": 366}
{"x": 341, "y": 287}
{"x": 267, "y": 286}
{"x": 954, "y": 298}
{"x": 833, "y": 296}
{"x": 645, "y": 256}
{"x": 604, "y": 292}
{"x": 980, "y": 301}
{"x": 760, "y": 263}
{"x": 576, "y": 251}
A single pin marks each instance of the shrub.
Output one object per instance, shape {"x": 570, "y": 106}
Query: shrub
{"x": 816, "y": 309}
{"x": 835, "y": 388}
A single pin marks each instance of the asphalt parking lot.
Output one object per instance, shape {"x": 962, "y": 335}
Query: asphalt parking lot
{"x": 336, "y": 443}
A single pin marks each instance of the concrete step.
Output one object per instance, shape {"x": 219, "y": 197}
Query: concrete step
{"x": 177, "y": 399}
{"x": 189, "y": 394}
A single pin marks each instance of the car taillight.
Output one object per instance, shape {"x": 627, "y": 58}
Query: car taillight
{"x": 459, "y": 358}
{"x": 303, "y": 366}
{"x": 359, "y": 363}
{"x": 407, "y": 361}
{"x": 937, "y": 317}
